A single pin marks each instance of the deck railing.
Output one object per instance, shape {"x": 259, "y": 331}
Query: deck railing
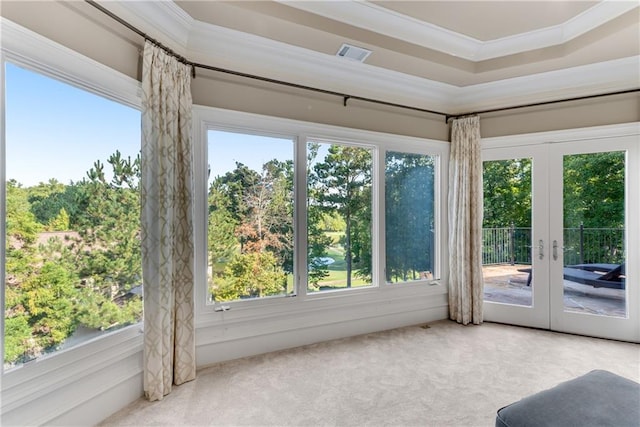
{"x": 512, "y": 245}
{"x": 506, "y": 245}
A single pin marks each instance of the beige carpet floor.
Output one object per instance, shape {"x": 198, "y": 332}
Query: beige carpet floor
{"x": 444, "y": 375}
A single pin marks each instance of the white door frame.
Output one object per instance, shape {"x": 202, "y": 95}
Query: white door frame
{"x": 536, "y": 315}
{"x": 547, "y": 148}
{"x": 584, "y": 323}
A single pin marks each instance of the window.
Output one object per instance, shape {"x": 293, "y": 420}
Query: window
{"x": 339, "y": 202}
{"x": 72, "y": 261}
{"x": 310, "y": 211}
{"x": 409, "y": 216}
{"x": 250, "y": 216}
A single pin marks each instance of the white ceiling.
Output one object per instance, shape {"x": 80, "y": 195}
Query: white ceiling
{"x": 452, "y": 56}
{"x": 500, "y": 18}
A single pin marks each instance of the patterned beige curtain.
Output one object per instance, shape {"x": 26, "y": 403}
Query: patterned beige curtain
{"x": 465, "y": 222}
{"x": 167, "y": 232}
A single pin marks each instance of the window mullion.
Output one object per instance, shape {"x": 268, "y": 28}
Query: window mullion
{"x": 300, "y": 217}
{"x": 378, "y": 243}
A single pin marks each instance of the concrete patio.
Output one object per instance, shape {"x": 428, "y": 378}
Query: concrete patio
{"x": 505, "y": 284}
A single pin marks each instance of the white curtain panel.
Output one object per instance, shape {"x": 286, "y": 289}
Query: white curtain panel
{"x": 167, "y": 215}
{"x": 465, "y": 222}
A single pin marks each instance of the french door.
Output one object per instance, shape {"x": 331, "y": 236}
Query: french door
{"x": 561, "y": 232}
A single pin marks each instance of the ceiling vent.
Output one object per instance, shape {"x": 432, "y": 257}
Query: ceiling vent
{"x": 353, "y": 53}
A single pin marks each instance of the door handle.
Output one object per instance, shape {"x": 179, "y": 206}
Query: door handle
{"x": 540, "y": 249}
{"x": 555, "y": 250}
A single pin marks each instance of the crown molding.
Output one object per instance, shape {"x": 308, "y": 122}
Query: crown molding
{"x": 227, "y": 48}
{"x": 603, "y": 77}
{"x": 369, "y": 16}
{"x": 163, "y": 20}
{"x": 565, "y": 135}
{"x": 248, "y": 53}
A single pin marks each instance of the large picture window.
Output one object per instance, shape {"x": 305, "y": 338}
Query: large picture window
{"x": 339, "y": 184}
{"x": 250, "y": 216}
{"x": 312, "y": 212}
{"x": 409, "y": 217}
{"x": 72, "y": 262}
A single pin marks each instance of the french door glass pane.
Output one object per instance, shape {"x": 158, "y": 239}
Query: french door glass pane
{"x": 338, "y": 216}
{"x": 409, "y": 217}
{"x": 250, "y": 224}
{"x": 506, "y": 233}
{"x": 594, "y": 233}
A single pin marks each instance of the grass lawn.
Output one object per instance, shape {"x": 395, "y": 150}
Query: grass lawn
{"x": 338, "y": 269}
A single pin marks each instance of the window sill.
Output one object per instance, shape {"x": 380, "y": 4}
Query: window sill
{"x": 357, "y": 303}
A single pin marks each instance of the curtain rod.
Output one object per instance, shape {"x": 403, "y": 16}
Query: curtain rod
{"x": 537, "y": 104}
{"x": 345, "y": 97}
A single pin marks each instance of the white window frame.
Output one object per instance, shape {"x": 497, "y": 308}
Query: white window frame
{"x": 32, "y": 51}
{"x": 209, "y": 118}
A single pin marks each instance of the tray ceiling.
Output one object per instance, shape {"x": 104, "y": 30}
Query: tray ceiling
{"x": 483, "y": 53}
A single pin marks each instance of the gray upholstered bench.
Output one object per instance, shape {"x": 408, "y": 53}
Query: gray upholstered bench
{"x": 599, "y": 398}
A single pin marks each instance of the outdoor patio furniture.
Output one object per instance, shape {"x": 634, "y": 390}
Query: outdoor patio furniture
{"x": 526, "y": 270}
{"x": 596, "y": 275}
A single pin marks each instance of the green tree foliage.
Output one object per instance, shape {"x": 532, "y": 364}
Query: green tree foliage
{"x": 54, "y": 286}
{"x": 331, "y": 221}
{"x": 17, "y": 337}
{"x": 20, "y": 252}
{"x": 109, "y": 244}
{"x": 317, "y": 240}
{"x": 279, "y": 177}
{"x": 49, "y": 200}
{"x": 507, "y": 193}
{"x": 22, "y": 225}
{"x": 60, "y": 223}
{"x": 222, "y": 225}
{"x": 40, "y": 306}
{"x": 251, "y": 229}
{"x": 250, "y": 275}
{"x": 344, "y": 181}
{"x": 97, "y": 311}
{"x": 361, "y": 240}
{"x": 20, "y": 264}
{"x": 49, "y": 299}
{"x": 594, "y": 190}
{"x": 409, "y": 213}
{"x": 234, "y": 185}
{"x": 593, "y": 195}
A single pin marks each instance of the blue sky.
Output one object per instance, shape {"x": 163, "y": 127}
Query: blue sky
{"x": 225, "y": 148}
{"x": 54, "y": 130}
